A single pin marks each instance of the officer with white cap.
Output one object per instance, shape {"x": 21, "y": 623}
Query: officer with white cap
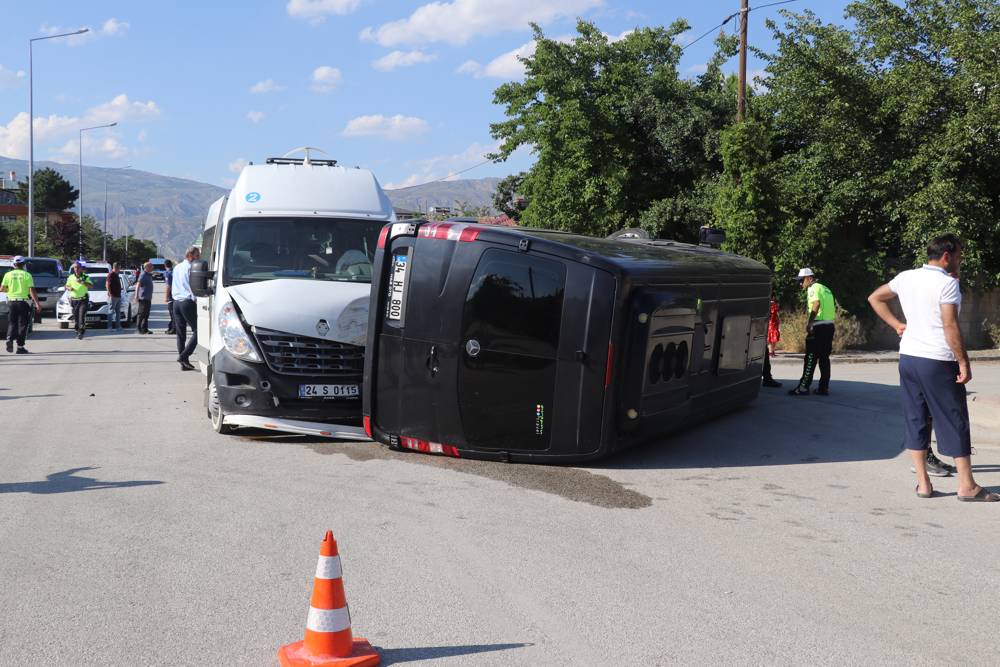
{"x": 19, "y": 286}
{"x": 822, "y": 311}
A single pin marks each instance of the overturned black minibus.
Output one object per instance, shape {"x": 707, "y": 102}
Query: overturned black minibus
{"x": 521, "y": 344}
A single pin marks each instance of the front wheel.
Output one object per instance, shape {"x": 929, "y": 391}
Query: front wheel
{"x": 215, "y": 412}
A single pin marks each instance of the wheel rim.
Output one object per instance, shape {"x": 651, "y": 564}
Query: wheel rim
{"x": 214, "y": 406}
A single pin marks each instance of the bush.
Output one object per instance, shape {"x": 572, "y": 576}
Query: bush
{"x": 850, "y": 331}
{"x": 992, "y": 330}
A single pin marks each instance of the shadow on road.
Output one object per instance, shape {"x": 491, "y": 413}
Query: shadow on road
{"x": 859, "y": 421}
{"x": 67, "y": 482}
{"x": 395, "y": 656}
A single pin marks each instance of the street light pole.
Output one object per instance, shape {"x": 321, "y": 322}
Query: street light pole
{"x": 31, "y": 134}
{"x": 80, "y": 174}
{"x": 104, "y": 239}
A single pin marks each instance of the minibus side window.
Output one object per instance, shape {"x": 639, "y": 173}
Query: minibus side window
{"x": 514, "y": 303}
{"x": 208, "y": 246}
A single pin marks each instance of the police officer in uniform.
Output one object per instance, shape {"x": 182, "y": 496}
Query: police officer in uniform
{"x": 19, "y": 286}
{"x": 819, "y": 334}
{"x": 78, "y": 285}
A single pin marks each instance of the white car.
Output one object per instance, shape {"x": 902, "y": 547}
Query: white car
{"x": 99, "y": 307}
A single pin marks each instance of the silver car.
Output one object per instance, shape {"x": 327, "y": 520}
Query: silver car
{"x": 99, "y": 307}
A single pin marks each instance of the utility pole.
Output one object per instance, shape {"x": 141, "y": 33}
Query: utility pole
{"x": 741, "y": 95}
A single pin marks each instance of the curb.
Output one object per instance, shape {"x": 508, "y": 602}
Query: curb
{"x": 991, "y": 355}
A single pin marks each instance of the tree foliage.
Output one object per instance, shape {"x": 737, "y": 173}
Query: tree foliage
{"x": 615, "y": 130}
{"x": 507, "y": 198}
{"x": 52, "y": 192}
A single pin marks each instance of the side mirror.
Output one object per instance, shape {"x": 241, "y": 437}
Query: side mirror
{"x": 201, "y": 278}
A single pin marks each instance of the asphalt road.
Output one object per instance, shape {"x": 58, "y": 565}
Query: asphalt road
{"x": 787, "y": 533}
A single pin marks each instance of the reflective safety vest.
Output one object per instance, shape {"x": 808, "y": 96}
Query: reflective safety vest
{"x": 77, "y": 287}
{"x": 18, "y": 283}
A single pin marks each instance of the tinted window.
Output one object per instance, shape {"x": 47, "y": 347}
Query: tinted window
{"x": 304, "y": 248}
{"x": 208, "y": 247}
{"x": 515, "y": 303}
{"x": 47, "y": 268}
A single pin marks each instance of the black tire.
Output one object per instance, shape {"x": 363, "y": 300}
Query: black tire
{"x": 216, "y": 415}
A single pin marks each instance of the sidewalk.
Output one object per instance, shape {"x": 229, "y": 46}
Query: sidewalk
{"x": 875, "y": 356}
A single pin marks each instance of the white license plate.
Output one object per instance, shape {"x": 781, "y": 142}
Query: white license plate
{"x": 93, "y": 318}
{"x": 328, "y": 391}
{"x": 394, "y": 309}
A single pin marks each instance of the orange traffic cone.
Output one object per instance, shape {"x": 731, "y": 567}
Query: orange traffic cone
{"x": 328, "y": 627}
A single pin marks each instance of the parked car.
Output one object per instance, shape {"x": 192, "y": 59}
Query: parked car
{"x": 98, "y": 309}
{"x": 47, "y": 274}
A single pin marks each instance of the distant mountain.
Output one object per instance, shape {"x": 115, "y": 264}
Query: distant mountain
{"x": 171, "y": 211}
{"x": 168, "y": 210}
{"x": 474, "y": 192}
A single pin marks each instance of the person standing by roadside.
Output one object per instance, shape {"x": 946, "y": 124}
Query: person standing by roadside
{"x": 168, "y": 277}
{"x": 185, "y": 309}
{"x": 773, "y": 336}
{"x": 78, "y": 285}
{"x": 144, "y": 297}
{"x": 19, "y": 287}
{"x": 819, "y": 334}
{"x": 933, "y": 364}
{"x": 113, "y": 285}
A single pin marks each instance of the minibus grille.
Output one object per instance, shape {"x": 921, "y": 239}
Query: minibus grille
{"x": 292, "y": 354}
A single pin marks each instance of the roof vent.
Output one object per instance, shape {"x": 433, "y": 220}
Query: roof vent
{"x": 305, "y": 161}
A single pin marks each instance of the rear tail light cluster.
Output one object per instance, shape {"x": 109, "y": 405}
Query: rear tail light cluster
{"x": 450, "y": 231}
{"x": 426, "y": 447}
{"x": 668, "y": 362}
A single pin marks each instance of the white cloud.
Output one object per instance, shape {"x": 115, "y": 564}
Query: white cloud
{"x": 325, "y": 79}
{"x": 266, "y": 86}
{"x": 316, "y": 11}
{"x": 460, "y": 21}
{"x": 10, "y": 78}
{"x": 110, "y": 28}
{"x": 504, "y": 66}
{"x": 236, "y": 166}
{"x": 442, "y": 166}
{"x": 14, "y": 135}
{"x": 108, "y": 146}
{"x": 391, "y": 61}
{"x": 255, "y": 116}
{"x": 393, "y": 128}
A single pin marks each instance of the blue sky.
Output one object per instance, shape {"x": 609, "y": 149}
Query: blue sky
{"x": 403, "y": 88}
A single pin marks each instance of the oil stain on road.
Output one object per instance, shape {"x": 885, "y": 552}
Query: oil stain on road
{"x": 570, "y": 483}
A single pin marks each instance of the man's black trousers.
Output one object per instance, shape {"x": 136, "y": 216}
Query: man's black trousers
{"x": 142, "y": 318}
{"x": 819, "y": 345}
{"x": 17, "y": 324}
{"x": 186, "y": 315}
{"x": 80, "y": 307}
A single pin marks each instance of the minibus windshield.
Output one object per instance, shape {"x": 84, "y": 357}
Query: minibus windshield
{"x": 304, "y": 248}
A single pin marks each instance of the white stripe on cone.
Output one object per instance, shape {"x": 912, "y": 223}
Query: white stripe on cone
{"x": 328, "y": 620}
{"x": 328, "y": 567}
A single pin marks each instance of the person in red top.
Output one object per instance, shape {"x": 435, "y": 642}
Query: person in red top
{"x": 773, "y": 336}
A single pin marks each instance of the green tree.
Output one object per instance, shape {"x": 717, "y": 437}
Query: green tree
{"x": 615, "y": 130}
{"x": 507, "y": 198}
{"x": 52, "y": 192}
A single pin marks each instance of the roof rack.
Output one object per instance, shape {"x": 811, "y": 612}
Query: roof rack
{"x": 284, "y": 159}
{"x": 299, "y": 160}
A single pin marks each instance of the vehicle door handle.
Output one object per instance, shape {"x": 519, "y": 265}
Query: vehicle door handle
{"x": 432, "y": 361}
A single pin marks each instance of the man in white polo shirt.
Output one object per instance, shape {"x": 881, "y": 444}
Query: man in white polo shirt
{"x": 933, "y": 364}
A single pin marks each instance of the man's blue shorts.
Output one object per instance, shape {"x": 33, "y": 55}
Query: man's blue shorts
{"x": 930, "y": 392}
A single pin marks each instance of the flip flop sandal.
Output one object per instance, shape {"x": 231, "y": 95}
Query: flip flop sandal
{"x": 923, "y": 495}
{"x": 983, "y": 496}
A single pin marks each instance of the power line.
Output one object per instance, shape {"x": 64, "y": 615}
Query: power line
{"x": 454, "y": 173}
{"x": 730, "y": 18}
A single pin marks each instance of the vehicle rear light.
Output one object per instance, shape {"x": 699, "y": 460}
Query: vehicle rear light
{"x": 449, "y": 231}
{"x": 609, "y": 368}
{"x": 368, "y": 425}
{"x": 418, "y": 445}
{"x": 469, "y": 234}
{"x": 382, "y": 236}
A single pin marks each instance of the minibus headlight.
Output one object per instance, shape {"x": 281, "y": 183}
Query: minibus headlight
{"x": 234, "y": 336}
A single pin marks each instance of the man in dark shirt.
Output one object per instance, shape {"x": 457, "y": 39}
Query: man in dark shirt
{"x": 114, "y": 286}
{"x": 144, "y": 297}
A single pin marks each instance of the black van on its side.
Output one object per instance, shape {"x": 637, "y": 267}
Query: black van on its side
{"x": 529, "y": 345}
